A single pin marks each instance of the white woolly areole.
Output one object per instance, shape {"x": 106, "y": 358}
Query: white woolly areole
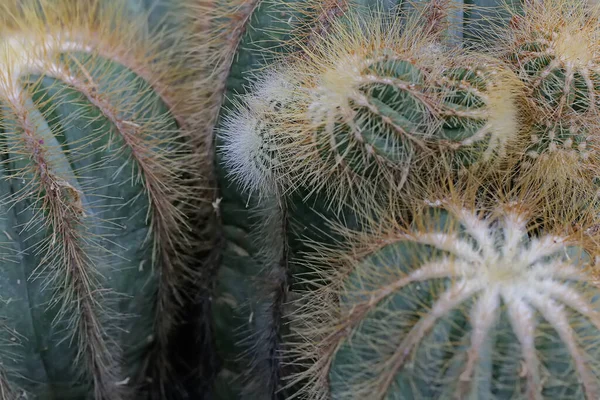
{"x": 336, "y": 88}
{"x": 493, "y": 267}
{"x": 273, "y": 89}
{"x": 252, "y": 136}
{"x": 497, "y": 253}
{"x": 495, "y": 263}
{"x": 245, "y": 152}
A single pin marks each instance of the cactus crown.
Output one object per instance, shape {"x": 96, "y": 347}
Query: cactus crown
{"x": 553, "y": 47}
{"x": 363, "y": 105}
{"x": 462, "y": 303}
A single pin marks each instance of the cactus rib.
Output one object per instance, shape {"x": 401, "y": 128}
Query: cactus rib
{"x": 365, "y": 108}
{"x": 77, "y": 47}
{"x": 431, "y": 311}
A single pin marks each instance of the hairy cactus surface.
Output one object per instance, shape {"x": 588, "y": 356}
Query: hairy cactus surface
{"x": 374, "y": 103}
{"x": 460, "y": 304}
{"x": 251, "y": 279}
{"x": 93, "y": 156}
{"x": 553, "y": 47}
{"x": 340, "y": 116}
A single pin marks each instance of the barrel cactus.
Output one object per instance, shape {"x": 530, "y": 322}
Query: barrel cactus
{"x": 553, "y": 47}
{"x": 94, "y": 163}
{"x": 461, "y": 304}
{"x": 338, "y": 116}
{"x": 372, "y": 104}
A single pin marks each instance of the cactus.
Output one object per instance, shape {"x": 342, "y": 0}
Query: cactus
{"x": 94, "y": 154}
{"x": 461, "y": 303}
{"x": 552, "y": 46}
{"x": 373, "y": 104}
{"x": 244, "y": 306}
{"x": 340, "y": 116}
{"x": 258, "y": 168}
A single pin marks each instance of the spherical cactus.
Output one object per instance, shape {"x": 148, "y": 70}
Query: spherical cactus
{"x": 373, "y": 100}
{"x": 553, "y": 46}
{"x": 462, "y": 304}
{"x": 93, "y": 150}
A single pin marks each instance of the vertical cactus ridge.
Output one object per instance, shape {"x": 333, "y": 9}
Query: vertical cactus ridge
{"x": 248, "y": 36}
{"x": 94, "y": 146}
{"x": 220, "y": 27}
{"x": 554, "y": 46}
{"x": 326, "y": 107}
{"x": 6, "y": 390}
{"x": 462, "y": 303}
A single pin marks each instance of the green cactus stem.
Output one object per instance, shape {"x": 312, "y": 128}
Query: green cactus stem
{"x": 93, "y": 148}
{"x": 368, "y": 105}
{"x": 553, "y": 47}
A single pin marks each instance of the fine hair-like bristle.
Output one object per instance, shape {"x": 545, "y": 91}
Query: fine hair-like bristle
{"x": 553, "y": 47}
{"x": 367, "y": 107}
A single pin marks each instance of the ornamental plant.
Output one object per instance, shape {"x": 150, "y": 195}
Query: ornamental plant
{"x": 96, "y": 174}
{"x": 407, "y": 198}
{"x": 407, "y": 203}
{"x": 552, "y": 46}
{"x": 466, "y": 301}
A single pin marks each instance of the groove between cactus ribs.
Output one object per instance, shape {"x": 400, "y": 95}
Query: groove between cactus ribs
{"x": 264, "y": 375}
{"x": 155, "y": 173}
{"x": 490, "y": 267}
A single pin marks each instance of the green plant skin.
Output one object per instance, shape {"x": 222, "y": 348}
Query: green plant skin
{"x": 245, "y": 283}
{"x": 45, "y": 356}
{"x": 239, "y": 293}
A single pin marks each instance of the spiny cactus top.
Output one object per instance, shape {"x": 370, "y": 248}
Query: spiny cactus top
{"x": 554, "y": 47}
{"x": 364, "y": 103}
{"x": 92, "y": 165}
{"x": 461, "y": 305}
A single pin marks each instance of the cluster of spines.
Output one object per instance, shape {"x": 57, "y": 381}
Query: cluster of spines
{"x": 287, "y": 151}
{"x": 47, "y": 39}
{"x": 240, "y": 32}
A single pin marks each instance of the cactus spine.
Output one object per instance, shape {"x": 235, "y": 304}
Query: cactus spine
{"x": 356, "y": 109}
{"x": 93, "y": 154}
{"x": 371, "y": 105}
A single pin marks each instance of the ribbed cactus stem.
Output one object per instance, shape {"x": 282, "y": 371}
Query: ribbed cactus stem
{"x": 553, "y": 47}
{"x": 457, "y": 306}
{"x": 88, "y": 51}
{"x": 557, "y": 56}
{"x": 62, "y": 209}
{"x": 375, "y": 101}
